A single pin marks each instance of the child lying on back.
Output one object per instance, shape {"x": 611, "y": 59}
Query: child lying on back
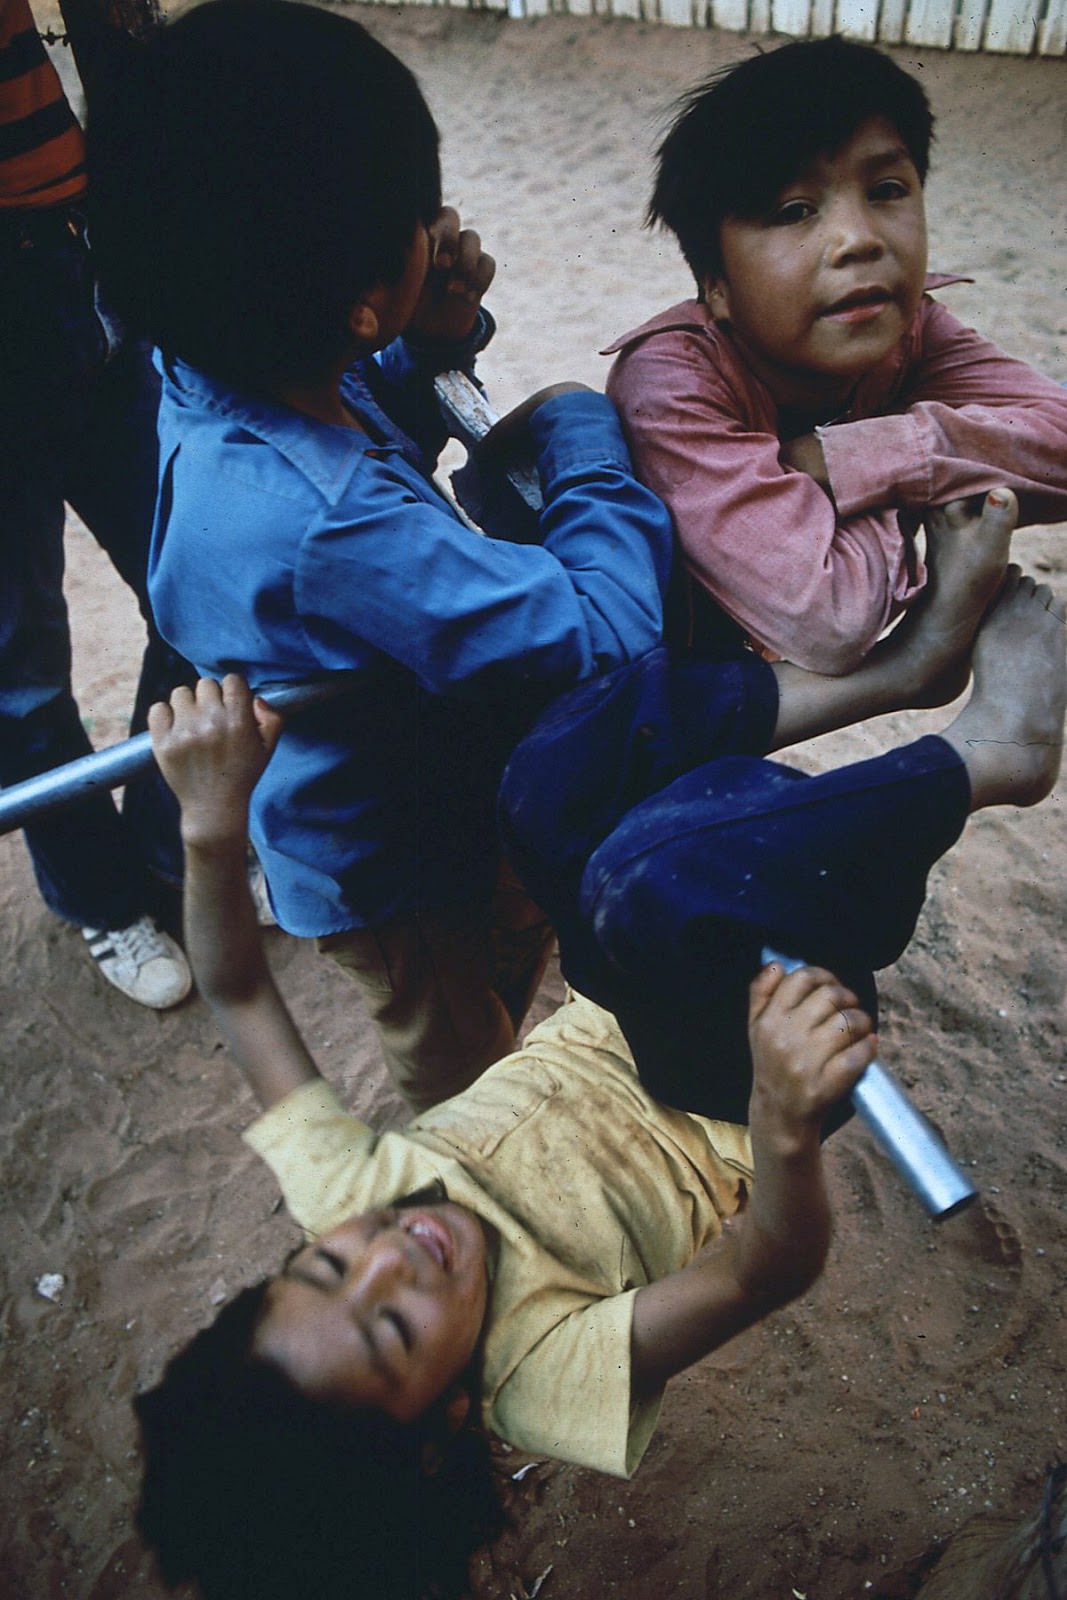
{"x": 543, "y": 1252}
{"x": 568, "y": 1257}
{"x": 813, "y": 397}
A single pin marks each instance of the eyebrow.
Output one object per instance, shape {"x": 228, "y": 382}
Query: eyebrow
{"x": 888, "y": 156}
{"x": 377, "y": 1360}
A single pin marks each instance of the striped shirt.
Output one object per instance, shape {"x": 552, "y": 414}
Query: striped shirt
{"x": 42, "y": 152}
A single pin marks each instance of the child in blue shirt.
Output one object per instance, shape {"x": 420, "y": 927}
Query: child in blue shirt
{"x": 304, "y": 286}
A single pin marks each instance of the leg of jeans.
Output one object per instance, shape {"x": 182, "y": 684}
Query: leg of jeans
{"x": 50, "y": 341}
{"x": 742, "y": 853}
{"x": 602, "y": 749}
{"x": 81, "y": 857}
{"x": 111, "y": 483}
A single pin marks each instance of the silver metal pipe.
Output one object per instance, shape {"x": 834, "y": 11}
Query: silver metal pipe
{"x": 110, "y": 768}
{"x": 907, "y": 1138}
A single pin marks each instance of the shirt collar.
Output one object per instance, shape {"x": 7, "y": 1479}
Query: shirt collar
{"x": 325, "y": 454}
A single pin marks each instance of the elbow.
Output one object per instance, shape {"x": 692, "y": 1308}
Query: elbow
{"x": 835, "y": 641}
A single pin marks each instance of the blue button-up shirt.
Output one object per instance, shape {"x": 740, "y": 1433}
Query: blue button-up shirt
{"x": 286, "y": 548}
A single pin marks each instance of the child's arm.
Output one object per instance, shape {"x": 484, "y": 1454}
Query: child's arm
{"x": 763, "y": 539}
{"x": 810, "y": 1044}
{"x": 807, "y": 554}
{"x": 212, "y": 748}
{"x": 969, "y": 418}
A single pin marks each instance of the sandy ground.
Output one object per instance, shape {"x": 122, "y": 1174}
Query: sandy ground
{"x": 923, "y": 1380}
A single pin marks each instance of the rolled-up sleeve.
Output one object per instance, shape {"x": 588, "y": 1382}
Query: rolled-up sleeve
{"x": 393, "y": 566}
{"x": 764, "y": 540}
{"x": 970, "y": 419}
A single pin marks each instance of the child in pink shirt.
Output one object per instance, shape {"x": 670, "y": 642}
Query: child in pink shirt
{"x": 801, "y": 411}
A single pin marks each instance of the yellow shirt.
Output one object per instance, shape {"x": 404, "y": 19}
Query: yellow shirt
{"x": 593, "y": 1188}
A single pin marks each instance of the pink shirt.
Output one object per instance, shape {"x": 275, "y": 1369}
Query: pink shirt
{"x": 811, "y": 579}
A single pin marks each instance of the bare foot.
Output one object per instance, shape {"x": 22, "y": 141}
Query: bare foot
{"x": 967, "y": 555}
{"x": 1010, "y": 733}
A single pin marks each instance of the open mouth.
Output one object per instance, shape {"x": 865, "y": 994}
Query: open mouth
{"x": 433, "y": 1236}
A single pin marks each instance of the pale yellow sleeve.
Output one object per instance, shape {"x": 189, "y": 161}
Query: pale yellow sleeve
{"x": 317, "y": 1152}
{"x": 569, "y": 1397}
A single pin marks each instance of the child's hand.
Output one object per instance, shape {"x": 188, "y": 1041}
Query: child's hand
{"x": 805, "y": 454}
{"x": 509, "y": 429}
{"x": 212, "y": 747}
{"x": 459, "y": 274}
{"x": 810, "y": 1045}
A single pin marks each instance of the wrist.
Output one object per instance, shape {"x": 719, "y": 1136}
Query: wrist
{"x": 780, "y": 1136}
{"x": 213, "y": 843}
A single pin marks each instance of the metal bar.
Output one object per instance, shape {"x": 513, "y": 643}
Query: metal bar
{"x": 904, "y": 1134}
{"x": 109, "y": 769}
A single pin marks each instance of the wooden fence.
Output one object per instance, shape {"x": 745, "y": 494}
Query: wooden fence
{"x": 1013, "y": 27}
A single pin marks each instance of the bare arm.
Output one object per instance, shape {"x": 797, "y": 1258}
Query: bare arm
{"x": 212, "y": 747}
{"x": 810, "y": 1043}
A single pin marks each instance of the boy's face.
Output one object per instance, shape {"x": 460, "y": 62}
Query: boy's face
{"x": 823, "y": 286}
{"x": 383, "y": 1312}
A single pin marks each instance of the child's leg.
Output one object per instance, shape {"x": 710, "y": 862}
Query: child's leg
{"x": 688, "y": 888}
{"x": 447, "y": 991}
{"x": 923, "y": 662}
{"x": 603, "y": 748}
{"x": 609, "y": 744}
{"x": 1009, "y": 735}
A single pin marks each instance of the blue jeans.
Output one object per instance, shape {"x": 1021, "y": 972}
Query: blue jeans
{"x": 667, "y": 851}
{"x": 77, "y": 425}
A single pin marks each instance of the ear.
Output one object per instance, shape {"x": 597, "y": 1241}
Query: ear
{"x": 455, "y": 1408}
{"x": 717, "y": 298}
{"x": 363, "y": 321}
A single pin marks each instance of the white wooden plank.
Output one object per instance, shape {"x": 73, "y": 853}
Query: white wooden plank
{"x": 930, "y": 22}
{"x": 792, "y": 17}
{"x": 730, "y": 14}
{"x": 759, "y": 16}
{"x": 822, "y": 18}
{"x": 858, "y": 19}
{"x": 1012, "y": 26}
{"x": 970, "y": 25}
{"x": 626, "y": 8}
{"x": 891, "y": 21}
{"x": 1052, "y": 39}
{"x": 676, "y": 13}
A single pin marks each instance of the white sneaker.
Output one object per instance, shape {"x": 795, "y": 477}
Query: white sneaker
{"x": 142, "y": 961}
{"x": 257, "y": 886}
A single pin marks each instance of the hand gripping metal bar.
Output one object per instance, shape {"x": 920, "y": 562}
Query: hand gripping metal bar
{"x": 904, "y": 1134}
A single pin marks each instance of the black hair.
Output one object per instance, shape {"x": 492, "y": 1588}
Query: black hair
{"x": 742, "y": 136}
{"x": 255, "y": 1492}
{"x": 254, "y": 166}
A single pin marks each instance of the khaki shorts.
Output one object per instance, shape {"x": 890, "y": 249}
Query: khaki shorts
{"x": 447, "y": 991}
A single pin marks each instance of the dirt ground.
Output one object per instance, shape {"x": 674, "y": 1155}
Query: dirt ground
{"x": 922, "y": 1381}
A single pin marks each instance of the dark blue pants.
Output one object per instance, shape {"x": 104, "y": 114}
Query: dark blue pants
{"x": 644, "y": 818}
{"x": 77, "y": 424}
